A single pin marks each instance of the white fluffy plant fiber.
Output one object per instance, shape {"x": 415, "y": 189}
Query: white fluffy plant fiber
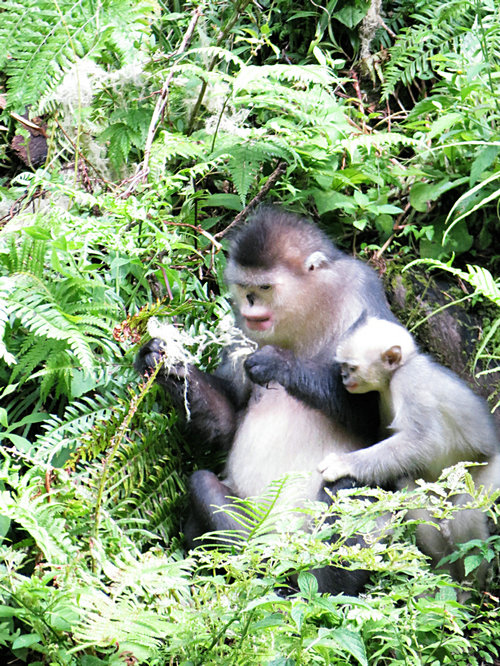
{"x": 181, "y": 348}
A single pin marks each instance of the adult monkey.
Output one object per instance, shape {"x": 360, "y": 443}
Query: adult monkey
{"x": 287, "y": 410}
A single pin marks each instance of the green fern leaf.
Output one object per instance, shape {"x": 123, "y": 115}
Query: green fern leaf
{"x": 62, "y": 434}
{"x": 243, "y": 167}
{"x": 40, "y": 40}
{"x": 44, "y": 522}
{"x": 4, "y": 320}
{"x": 438, "y": 28}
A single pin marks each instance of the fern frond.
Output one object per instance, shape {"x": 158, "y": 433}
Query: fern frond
{"x": 477, "y": 276}
{"x": 304, "y": 74}
{"x": 169, "y": 145}
{"x": 146, "y": 465}
{"x": 260, "y": 516}
{"x": 44, "y": 522}
{"x": 25, "y": 257}
{"x": 121, "y": 619}
{"x": 145, "y": 470}
{"x": 484, "y": 283}
{"x": 4, "y": 320}
{"x": 212, "y": 52}
{"x": 247, "y": 157}
{"x": 438, "y": 28}
{"x": 62, "y": 434}
{"x": 45, "y": 320}
{"x": 57, "y": 373}
{"x": 40, "y": 39}
{"x": 378, "y": 141}
{"x": 32, "y": 355}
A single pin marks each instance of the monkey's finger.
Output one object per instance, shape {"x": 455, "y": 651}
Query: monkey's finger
{"x": 331, "y": 474}
{"x": 329, "y": 461}
{"x": 258, "y": 373}
{"x": 333, "y": 468}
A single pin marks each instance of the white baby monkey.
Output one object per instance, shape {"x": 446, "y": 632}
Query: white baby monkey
{"x": 435, "y": 418}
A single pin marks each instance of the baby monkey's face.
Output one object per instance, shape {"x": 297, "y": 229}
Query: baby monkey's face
{"x": 359, "y": 378}
{"x": 367, "y": 371}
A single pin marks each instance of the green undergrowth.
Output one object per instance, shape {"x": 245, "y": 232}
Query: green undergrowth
{"x": 151, "y": 128}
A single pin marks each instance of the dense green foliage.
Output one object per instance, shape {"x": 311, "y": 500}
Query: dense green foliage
{"x": 162, "y": 123}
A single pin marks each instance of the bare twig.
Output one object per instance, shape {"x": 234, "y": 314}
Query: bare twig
{"x": 257, "y": 198}
{"x": 200, "y": 230}
{"x": 48, "y": 473}
{"x": 221, "y": 39}
{"x": 81, "y": 156}
{"x": 396, "y": 227}
{"x": 160, "y": 107}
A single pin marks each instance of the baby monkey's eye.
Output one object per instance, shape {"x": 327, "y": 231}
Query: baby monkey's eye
{"x": 353, "y": 368}
{"x": 265, "y": 287}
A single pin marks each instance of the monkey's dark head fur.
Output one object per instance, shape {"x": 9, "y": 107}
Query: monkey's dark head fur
{"x": 273, "y": 234}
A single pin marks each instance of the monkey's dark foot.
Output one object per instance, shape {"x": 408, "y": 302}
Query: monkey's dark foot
{"x": 346, "y": 482}
{"x": 341, "y": 581}
{"x": 208, "y": 496}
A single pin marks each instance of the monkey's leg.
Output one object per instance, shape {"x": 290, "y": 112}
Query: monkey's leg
{"x": 466, "y": 525}
{"x": 335, "y": 580}
{"x": 212, "y": 412}
{"x": 208, "y": 494}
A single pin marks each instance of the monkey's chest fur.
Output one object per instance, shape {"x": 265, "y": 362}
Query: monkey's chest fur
{"x": 280, "y": 435}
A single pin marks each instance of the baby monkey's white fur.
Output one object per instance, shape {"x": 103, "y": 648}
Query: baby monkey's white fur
{"x": 435, "y": 418}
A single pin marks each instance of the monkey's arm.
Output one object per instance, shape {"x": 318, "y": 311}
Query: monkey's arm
{"x": 389, "y": 460}
{"x": 317, "y": 384}
{"x": 212, "y": 401}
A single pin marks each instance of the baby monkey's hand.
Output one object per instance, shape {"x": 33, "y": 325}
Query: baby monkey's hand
{"x": 335, "y": 467}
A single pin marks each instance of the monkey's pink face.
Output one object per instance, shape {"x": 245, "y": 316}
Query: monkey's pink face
{"x": 255, "y": 306}
{"x": 257, "y": 319}
{"x": 273, "y": 308}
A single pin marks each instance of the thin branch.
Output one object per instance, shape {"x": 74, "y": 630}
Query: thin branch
{"x": 257, "y": 199}
{"x": 200, "y": 230}
{"x": 396, "y": 227}
{"x": 161, "y": 103}
{"x": 240, "y": 8}
{"x": 79, "y": 154}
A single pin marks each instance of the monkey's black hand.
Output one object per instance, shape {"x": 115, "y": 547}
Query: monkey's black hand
{"x": 150, "y": 355}
{"x": 270, "y": 364}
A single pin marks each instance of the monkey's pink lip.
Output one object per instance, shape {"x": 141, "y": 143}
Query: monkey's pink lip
{"x": 351, "y": 386}
{"x": 258, "y": 323}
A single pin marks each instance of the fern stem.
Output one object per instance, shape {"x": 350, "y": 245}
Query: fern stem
{"x": 115, "y": 442}
{"x": 30, "y": 610}
{"x": 219, "y": 119}
{"x": 484, "y": 49}
{"x": 240, "y": 8}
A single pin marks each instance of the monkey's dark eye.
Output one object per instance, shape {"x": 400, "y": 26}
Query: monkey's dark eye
{"x": 265, "y": 287}
{"x": 353, "y": 368}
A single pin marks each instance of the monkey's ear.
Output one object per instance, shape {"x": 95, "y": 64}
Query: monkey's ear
{"x": 315, "y": 260}
{"x": 392, "y": 357}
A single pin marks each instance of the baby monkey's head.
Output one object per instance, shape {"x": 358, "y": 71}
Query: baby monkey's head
{"x": 371, "y": 352}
